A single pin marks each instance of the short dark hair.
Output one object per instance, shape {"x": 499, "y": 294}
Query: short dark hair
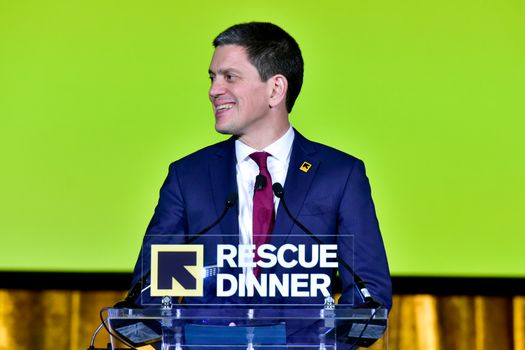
{"x": 271, "y": 50}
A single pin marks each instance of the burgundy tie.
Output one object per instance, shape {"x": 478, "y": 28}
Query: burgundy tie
{"x": 263, "y": 209}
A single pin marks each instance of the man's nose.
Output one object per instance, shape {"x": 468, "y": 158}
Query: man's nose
{"x": 216, "y": 89}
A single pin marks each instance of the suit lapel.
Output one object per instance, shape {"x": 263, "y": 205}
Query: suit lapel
{"x": 223, "y": 181}
{"x": 296, "y": 187}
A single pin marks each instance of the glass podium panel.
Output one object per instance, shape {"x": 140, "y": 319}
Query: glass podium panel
{"x": 218, "y": 269}
{"x": 215, "y": 292}
{"x": 250, "y": 327}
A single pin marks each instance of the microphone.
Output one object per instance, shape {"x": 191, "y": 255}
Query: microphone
{"x": 230, "y": 202}
{"x": 136, "y": 290}
{"x": 278, "y": 190}
{"x": 260, "y": 182}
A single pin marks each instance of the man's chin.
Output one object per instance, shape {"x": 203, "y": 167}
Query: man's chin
{"x": 223, "y": 130}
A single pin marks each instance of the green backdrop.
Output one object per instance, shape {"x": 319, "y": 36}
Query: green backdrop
{"x": 98, "y": 97}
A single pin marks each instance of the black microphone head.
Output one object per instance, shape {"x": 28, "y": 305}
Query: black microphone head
{"x": 260, "y": 182}
{"x": 232, "y": 199}
{"x": 278, "y": 190}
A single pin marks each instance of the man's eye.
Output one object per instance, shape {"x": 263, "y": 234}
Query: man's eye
{"x": 229, "y": 77}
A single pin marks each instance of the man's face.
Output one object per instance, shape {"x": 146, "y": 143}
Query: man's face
{"x": 239, "y": 98}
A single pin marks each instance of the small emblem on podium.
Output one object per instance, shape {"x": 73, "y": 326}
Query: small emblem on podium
{"x": 176, "y": 270}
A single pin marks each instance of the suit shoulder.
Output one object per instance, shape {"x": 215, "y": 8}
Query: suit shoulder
{"x": 204, "y": 155}
{"x": 334, "y": 156}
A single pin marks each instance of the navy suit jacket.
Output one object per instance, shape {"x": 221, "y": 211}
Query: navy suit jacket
{"x": 333, "y": 197}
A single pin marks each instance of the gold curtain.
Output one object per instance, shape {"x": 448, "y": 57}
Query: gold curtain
{"x": 65, "y": 320}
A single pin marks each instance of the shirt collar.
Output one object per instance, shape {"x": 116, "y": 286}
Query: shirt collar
{"x": 279, "y": 150}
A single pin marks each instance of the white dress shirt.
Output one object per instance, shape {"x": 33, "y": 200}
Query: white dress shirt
{"x": 247, "y": 170}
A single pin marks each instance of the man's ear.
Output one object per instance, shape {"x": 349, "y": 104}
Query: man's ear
{"x": 278, "y": 86}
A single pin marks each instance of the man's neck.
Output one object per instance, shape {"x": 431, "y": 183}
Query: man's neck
{"x": 264, "y": 138}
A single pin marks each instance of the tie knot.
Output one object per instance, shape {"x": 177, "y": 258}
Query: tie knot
{"x": 260, "y": 158}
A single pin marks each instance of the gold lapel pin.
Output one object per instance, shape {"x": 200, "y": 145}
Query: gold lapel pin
{"x": 305, "y": 167}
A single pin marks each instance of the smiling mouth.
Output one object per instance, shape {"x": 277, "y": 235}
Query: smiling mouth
{"x": 224, "y": 107}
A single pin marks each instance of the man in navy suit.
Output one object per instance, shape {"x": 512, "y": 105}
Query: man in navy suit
{"x": 256, "y": 75}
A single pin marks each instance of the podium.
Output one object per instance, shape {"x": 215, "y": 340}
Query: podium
{"x": 250, "y": 327}
{"x": 225, "y": 305}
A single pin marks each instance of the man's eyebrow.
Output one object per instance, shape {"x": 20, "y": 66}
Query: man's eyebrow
{"x": 224, "y": 71}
